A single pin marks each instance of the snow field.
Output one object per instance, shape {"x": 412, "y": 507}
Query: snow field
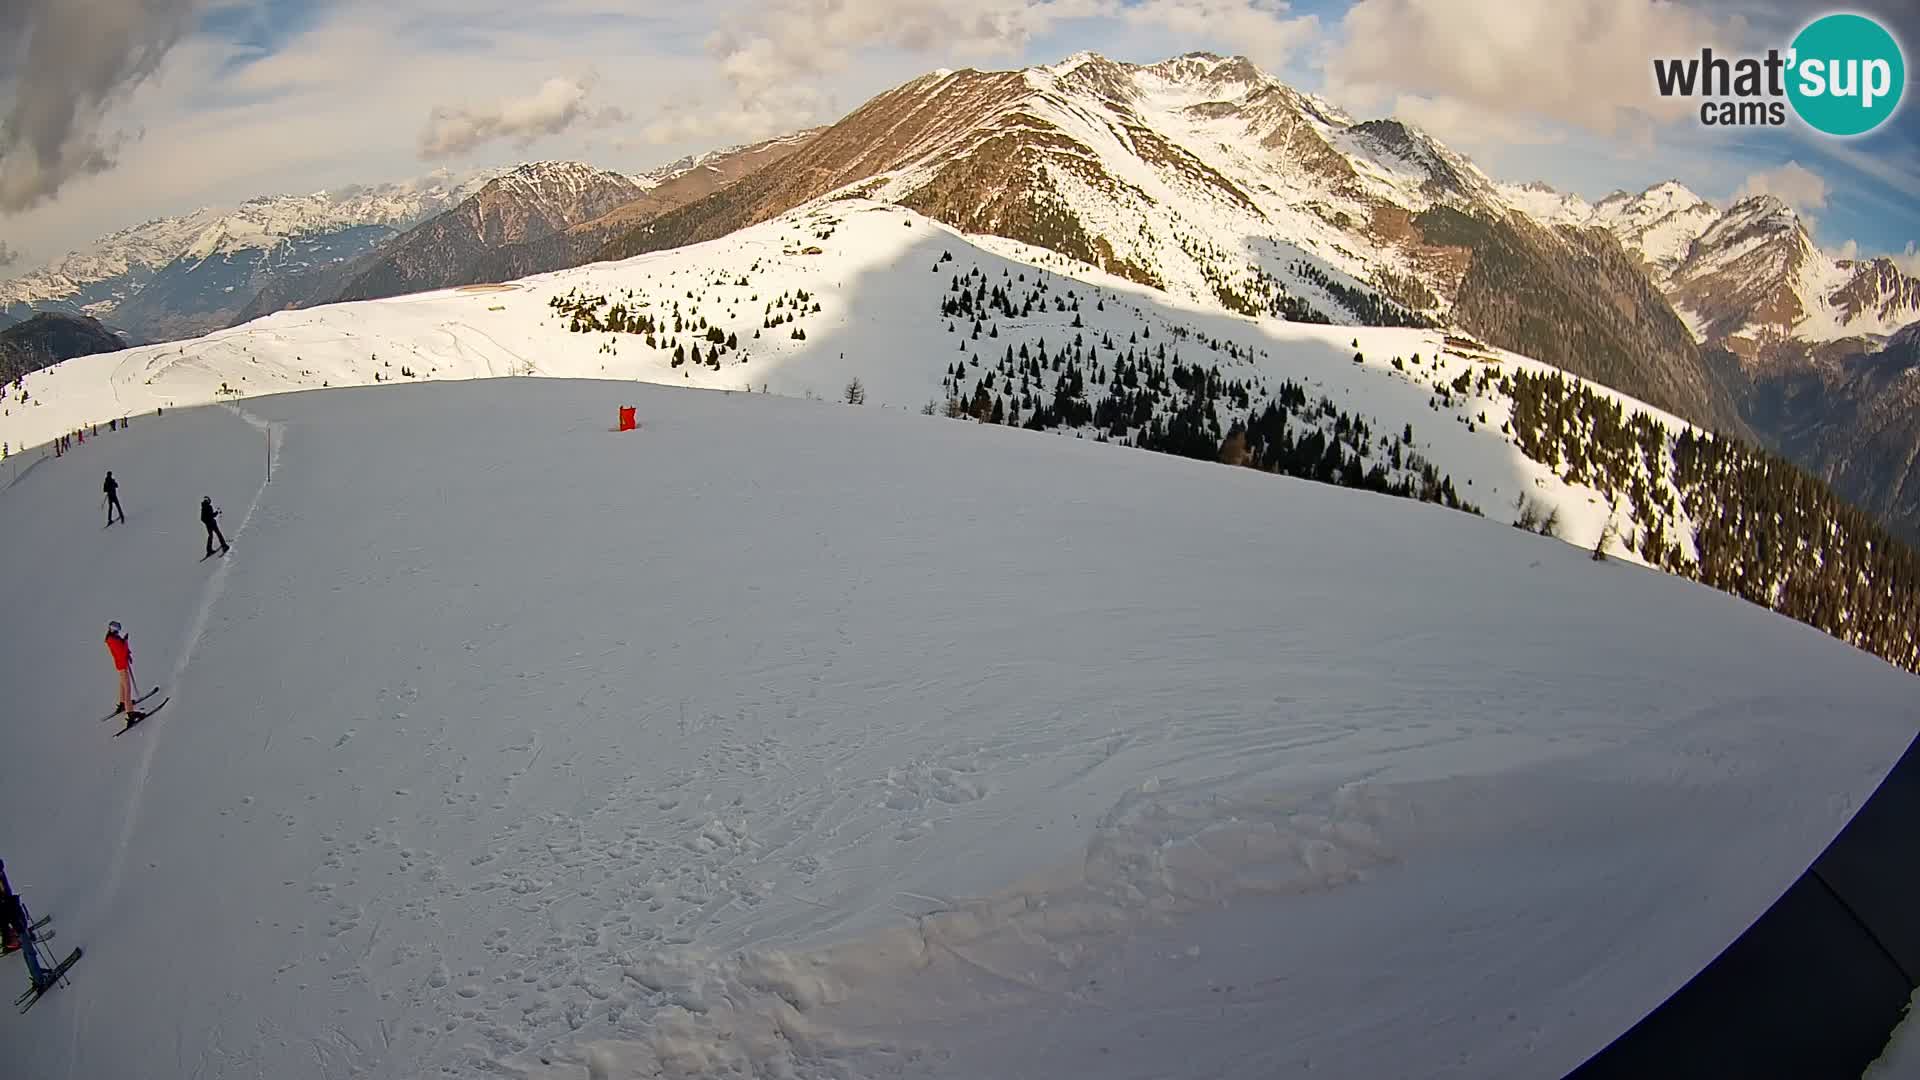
{"x": 797, "y": 739}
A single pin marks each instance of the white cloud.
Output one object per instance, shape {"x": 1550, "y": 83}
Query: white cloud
{"x": 1906, "y": 260}
{"x": 1793, "y": 183}
{"x": 559, "y": 103}
{"x": 1263, "y": 31}
{"x": 65, "y": 63}
{"x": 1587, "y": 64}
{"x": 1458, "y": 123}
{"x": 775, "y": 57}
{"x": 747, "y": 120}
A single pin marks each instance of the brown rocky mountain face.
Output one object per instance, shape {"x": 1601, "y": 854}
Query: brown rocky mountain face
{"x": 1877, "y": 291}
{"x": 886, "y": 133}
{"x": 1853, "y": 420}
{"x": 458, "y": 247}
{"x": 516, "y": 231}
{"x": 583, "y": 241}
{"x": 1593, "y": 313}
{"x": 1740, "y": 281}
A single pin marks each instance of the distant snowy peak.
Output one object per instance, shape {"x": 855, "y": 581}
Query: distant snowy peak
{"x": 1659, "y": 224}
{"x": 1877, "y": 298}
{"x": 561, "y": 192}
{"x": 102, "y": 275}
{"x": 1545, "y": 204}
{"x": 1621, "y": 210}
{"x": 548, "y": 179}
{"x": 136, "y": 249}
{"x": 1754, "y": 279}
{"x": 1748, "y": 277}
{"x": 267, "y": 222}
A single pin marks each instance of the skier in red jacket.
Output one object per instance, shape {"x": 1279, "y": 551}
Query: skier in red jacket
{"x": 123, "y": 664}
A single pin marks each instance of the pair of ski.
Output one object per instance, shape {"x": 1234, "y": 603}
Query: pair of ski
{"x": 32, "y": 995}
{"x": 33, "y": 940}
{"x": 138, "y": 713}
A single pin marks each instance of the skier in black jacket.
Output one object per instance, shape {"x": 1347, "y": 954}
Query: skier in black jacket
{"x": 112, "y": 488}
{"x": 210, "y": 518}
{"x": 20, "y": 929}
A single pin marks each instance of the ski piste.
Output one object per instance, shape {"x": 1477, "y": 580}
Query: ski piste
{"x": 143, "y": 716}
{"x": 33, "y": 994}
{"x": 118, "y": 711}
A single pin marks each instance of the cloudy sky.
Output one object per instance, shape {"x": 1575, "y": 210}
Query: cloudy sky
{"x": 116, "y": 111}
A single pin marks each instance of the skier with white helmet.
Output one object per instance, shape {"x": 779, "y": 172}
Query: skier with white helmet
{"x": 122, "y": 652}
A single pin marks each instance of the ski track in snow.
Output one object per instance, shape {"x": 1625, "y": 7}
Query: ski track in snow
{"x": 196, "y": 629}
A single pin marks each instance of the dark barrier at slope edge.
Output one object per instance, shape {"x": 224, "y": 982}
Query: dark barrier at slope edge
{"x": 1816, "y": 985}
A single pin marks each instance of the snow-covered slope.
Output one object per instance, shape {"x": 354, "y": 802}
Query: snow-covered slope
{"x": 851, "y": 289}
{"x": 789, "y": 738}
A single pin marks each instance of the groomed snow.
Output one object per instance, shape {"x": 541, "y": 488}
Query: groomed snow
{"x": 788, "y": 738}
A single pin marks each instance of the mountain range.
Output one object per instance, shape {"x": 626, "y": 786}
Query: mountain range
{"x": 1199, "y": 176}
{"x": 182, "y": 276}
{"x": 179, "y": 277}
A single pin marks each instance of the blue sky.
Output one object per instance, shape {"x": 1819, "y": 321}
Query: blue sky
{"x": 213, "y": 101}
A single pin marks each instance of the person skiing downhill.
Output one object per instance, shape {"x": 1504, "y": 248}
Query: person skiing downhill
{"x": 208, "y": 517}
{"x": 122, "y": 652}
{"x": 112, "y": 488}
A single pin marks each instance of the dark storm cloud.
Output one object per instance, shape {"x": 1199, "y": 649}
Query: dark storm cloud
{"x": 63, "y": 63}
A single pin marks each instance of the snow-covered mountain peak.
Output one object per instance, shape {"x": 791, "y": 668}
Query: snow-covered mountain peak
{"x": 1073, "y": 63}
{"x": 1765, "y": 210}
{"x": 1671, "y": 194}
{"x": 99, "y": 279}
{"x": 555, "y": 183}
{"x": 1211, "y": 73}
{"x": 1625, "y": 213}
{"x": 1442, "y": 174}
{"x": 1547, "y": 204}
